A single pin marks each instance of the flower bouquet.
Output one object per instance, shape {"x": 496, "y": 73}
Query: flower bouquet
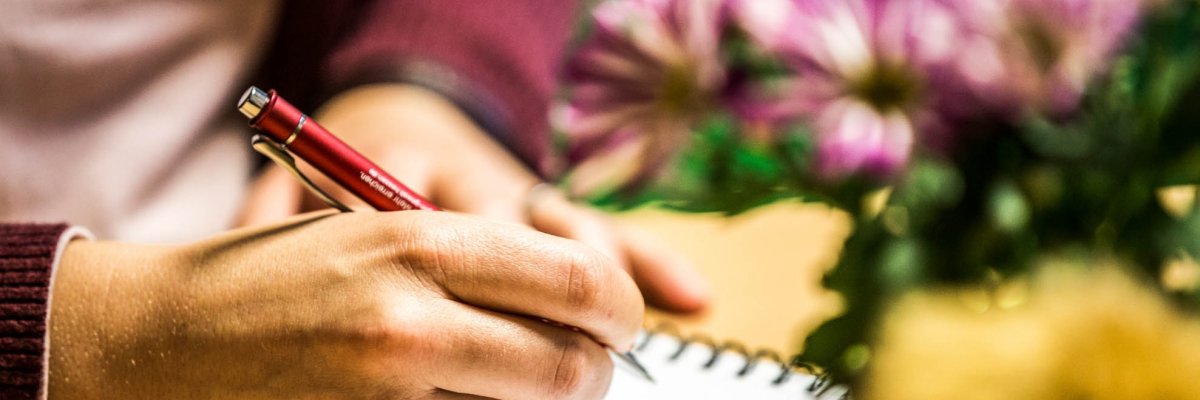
{"x": 970, "y": 141}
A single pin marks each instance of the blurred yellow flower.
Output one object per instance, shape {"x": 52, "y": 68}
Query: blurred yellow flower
{"x": 1071, "y": 335}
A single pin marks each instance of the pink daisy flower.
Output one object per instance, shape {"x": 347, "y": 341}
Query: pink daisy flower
{"x": 649, "y": 72}
{"x": 872, "y": 76}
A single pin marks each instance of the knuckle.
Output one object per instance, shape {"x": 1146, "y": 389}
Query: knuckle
{"x": 400, "y": 330}
{"x": 585, "y": 280}
{"x": 405, "y": 228}
{"x": 425, "y": 254}
{"x": 578, "y": 359}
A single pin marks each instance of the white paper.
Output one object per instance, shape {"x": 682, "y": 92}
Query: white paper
{"x": 686, "y": 377}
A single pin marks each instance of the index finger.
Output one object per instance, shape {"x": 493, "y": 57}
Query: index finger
{"x": 519, "y": 271}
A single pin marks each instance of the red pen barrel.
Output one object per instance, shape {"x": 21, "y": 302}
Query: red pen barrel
{"x": 305, "y": 138}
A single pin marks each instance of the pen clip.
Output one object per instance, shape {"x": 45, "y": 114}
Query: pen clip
{"x": 277, "y": 153}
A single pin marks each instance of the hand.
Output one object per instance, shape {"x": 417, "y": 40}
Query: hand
{"x": 430, "y": 145}
{"x": 356, "y": 306}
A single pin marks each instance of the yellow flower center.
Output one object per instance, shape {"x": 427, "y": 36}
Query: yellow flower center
{"x": 1044, "y": 47}
{"x": 679, "y": 92}
{"x": 887, "y": 85}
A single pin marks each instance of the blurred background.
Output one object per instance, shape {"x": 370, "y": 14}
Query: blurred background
{"x": 1004, "y": 188}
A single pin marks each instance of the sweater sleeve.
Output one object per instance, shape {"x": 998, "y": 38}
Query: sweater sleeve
{"x": 27, "y": 256}
{"x": 496, "y": 59}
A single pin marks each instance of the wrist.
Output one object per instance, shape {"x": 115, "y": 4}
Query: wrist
{"x": 107, "y": 302}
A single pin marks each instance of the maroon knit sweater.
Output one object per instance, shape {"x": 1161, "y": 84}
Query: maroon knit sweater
{"x": 497, "y": 59}
{"x": 26, "y": 254}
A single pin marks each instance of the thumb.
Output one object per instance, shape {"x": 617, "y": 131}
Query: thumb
{"x": 273, "y": 196}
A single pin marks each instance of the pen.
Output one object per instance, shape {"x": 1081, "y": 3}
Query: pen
{"x": 294, "y": 132}
{"x": 288, "y": 130}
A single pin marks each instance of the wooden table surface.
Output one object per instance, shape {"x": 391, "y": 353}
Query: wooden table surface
{"x": 764, "y": 266}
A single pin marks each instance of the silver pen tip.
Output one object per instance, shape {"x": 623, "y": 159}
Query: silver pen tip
{"x": 252, "y": 102}
{"x": 633, "y": 362}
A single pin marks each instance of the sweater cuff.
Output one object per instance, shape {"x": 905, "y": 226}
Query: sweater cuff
{"x": 28, "y": 255}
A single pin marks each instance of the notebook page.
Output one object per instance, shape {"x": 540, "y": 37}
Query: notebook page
{"x": 686, "y": 377}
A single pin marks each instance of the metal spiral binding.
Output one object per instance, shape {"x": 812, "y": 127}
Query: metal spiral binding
{"x": 822, "y": 380}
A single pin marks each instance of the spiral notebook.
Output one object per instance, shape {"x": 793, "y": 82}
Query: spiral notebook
{"x": 695, "y": 367}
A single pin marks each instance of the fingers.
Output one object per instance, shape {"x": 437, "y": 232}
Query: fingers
{"x": 490, "y": 183}
{"x": 501, "y": 356}
{"x": 431, "y": 146}
{"x": 484, "y": 195}
{"x": 668, "y": 279}
{"x": 274, "y": 196}
{"x": 520, "y": 271}
{"x": 552, "y": 213}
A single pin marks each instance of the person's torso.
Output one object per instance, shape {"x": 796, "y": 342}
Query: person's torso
{"x": 118, "y": 115}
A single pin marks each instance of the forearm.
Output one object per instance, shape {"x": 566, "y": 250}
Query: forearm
{"x": 106, "y": 313}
